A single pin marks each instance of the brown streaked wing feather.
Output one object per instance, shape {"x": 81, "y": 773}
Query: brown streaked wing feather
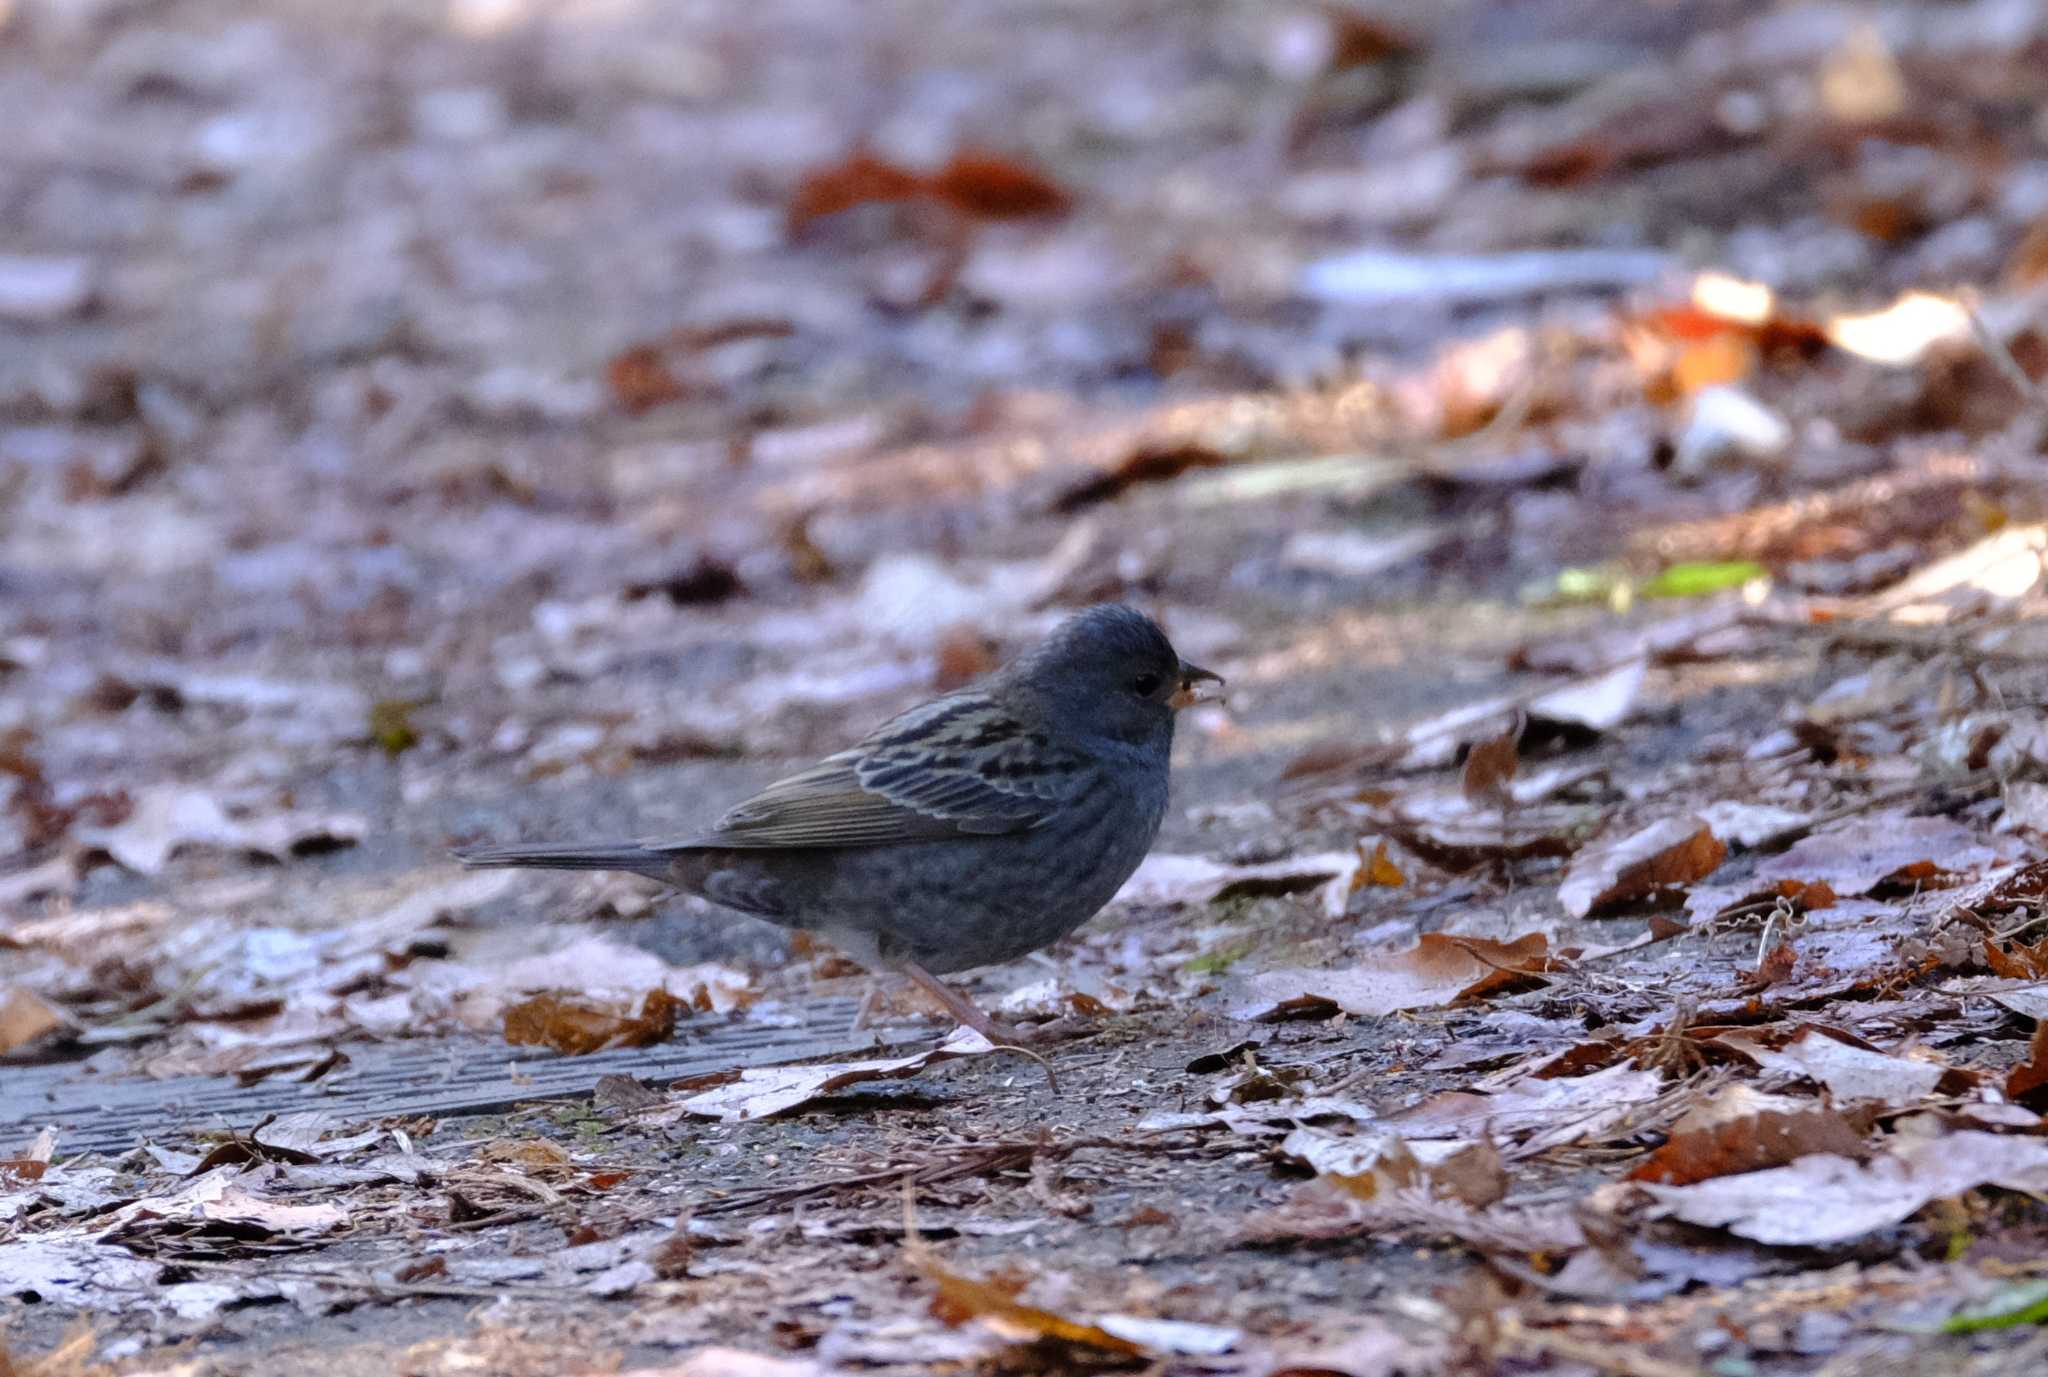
{"x": 958, "y": 766}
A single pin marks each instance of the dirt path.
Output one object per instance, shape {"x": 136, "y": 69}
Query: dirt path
{"x": 425, "y": 423}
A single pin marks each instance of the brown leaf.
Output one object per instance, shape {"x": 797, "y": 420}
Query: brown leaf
{"x": 577, "y": 1028}
{"x": 2027, "y": 1083}
{"x": 964, "y": 655}
{"x": 1491, "y": 764}
{"x": 1377, "y": 869}
{"x": 1145, "y": 464}
{"x": 1775, "y": 968}
{"x": 998, "y": 188}
{"x": 641, "y": 381}
{"x": 623, "y": 1095}
{"x": 2028, "y": 266}
{"x": 860, "y": 179}
{"x": 2021, "y": 962}
{"x": 1357, "y": 40}
{"x": 25, "y": 1017}
{"x": 1459, "y": 846}
{"x": 31, "y": 1165}
{"x": 1740, "y": 1129}
{"x": 1646, "y": 864}
{"x": 994, "y": 1303}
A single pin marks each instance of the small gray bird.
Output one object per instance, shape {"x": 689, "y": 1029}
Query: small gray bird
{"x": 968, "y": 831}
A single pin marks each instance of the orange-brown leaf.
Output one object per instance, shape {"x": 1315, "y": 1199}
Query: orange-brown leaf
{"x": 859, "y": 179}
{"x": 2021, "y": 963}
{"x": 1379, "y": 869}
{"x": 2027, "y": 1083}
{"x": 960, "y": 1299}
{"x": 998, "y": 188}
{"x": 1491, "y": 764}
{"x": 1740, "y": 1130}
{"x": 640, "y": 380}
{"x": 576, "y": 1028}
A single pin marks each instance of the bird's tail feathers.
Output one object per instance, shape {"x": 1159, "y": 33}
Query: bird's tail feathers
{"x": 571, "y": 856}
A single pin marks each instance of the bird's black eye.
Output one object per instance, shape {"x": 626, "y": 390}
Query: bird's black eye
{"x": 1146, "y": 684}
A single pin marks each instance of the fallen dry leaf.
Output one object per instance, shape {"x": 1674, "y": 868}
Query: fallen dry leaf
{"x": 1145, "y": 464}
{"x": 1377, "y": 869}
{"x": 860, "y": 178}
{"x": 2019, "y": 961}
{"x": 578, "y": 1027}
{"x": 1825, "y": 1198}
{"x": 2028, "y": 998}
{"x": 2026, "y": 1083}
{"x": 1747, "y": 824}
{"x": 997, "y": 188}
{"x": 1439, "y": 969}
{"x": 1651, "y": 863}
{"x": 1449, "y": 831}
{"x": 641, "y": 381}
{"x": 759, "y": 1092}
{"x": 168, "y": 819}
{"x": 32, "y": 1164}
{"x": 1540, "y": 1113}
{"x": 1491, "y": 764}
{"x": 961, "y": 1299}
{"x": 1885, "y": 849}
{"x": 1367, "y": 1165}
{"x": 219, "y": 1197}
{"x": 26, "y": 1017}
{"x": 1848, "y": 1072}
{"x": 1738, "y": 1129}
{"x": 1596, "y": 702}
{"x": 1174, "y": 879}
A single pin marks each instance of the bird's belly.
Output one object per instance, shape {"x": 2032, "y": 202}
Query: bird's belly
{"x": 978, "y": 902}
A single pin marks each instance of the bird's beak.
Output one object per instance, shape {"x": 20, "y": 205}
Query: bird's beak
{"x": 1189, "y": 694}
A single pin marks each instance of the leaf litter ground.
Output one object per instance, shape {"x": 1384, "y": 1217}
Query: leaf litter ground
{"x": 1602, "y": 934}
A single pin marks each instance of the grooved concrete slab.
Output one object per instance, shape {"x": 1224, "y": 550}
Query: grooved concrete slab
{"x": 98, "y": 1112}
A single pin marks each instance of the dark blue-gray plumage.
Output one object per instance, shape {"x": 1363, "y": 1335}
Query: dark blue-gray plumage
{"x": 968, "y": 831}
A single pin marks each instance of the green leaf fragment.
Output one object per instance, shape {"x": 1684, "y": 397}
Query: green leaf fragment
{"x": 1698, "y": 579}
{"x": 2023, "y": 1302}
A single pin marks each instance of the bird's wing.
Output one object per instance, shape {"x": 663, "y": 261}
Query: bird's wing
{"x": 958, "y": 766}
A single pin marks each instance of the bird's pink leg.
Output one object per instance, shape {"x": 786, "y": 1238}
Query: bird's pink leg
{"x": 960, "y": 1006}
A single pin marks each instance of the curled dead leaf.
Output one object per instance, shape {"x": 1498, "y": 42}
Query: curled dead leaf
{"x": 758, "y": 1092}
{"x": 2027, "y": 1082}
{"x": 577, "y": 1027}
{"x": 1826, "y": 1198}
{"x": 1867, "y": 852}
{"x": 1491, "y": 764}
{"x": 1650, "y": 863}
{"x": 1739, "y": 1129}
